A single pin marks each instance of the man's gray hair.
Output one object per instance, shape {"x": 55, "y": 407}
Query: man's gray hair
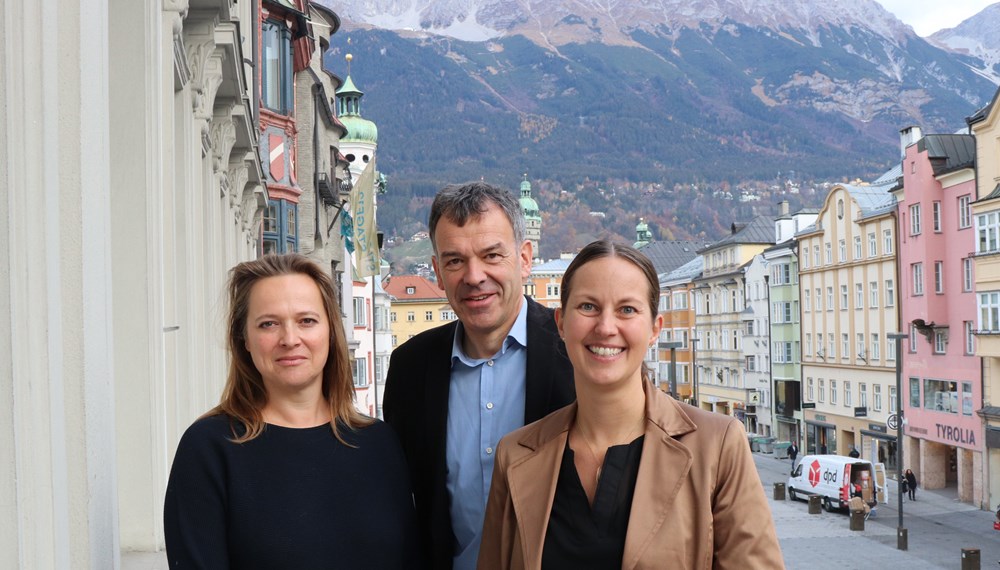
{"x": 461, "y": 202}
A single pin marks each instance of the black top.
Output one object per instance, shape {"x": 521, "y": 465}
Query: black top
{"x": 290, "y": 498}
{"x": 579, "y": 536}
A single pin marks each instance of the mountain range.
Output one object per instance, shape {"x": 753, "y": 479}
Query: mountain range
{"x": 655, "y": 93}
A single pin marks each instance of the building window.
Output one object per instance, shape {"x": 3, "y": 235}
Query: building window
{"x": 783, "y": 352}
{"x": 832, "y": 347}
{"x": 829, "y": 252}
{"x": 964, "y": 212}
{"x": 842, "y": 251}
{"x": 807, "y": 300}
{"x": 782, "y": 274}
{"x": 914, "y": 392}
{"x": 280, "y": 227}
{"x": 936, "y": 216}
{"x": 847, "y": 393}
{"x": 679, "y": 300}
{"x": 411, "y": 317}
{"x": 967, "y": 275}
{"x": 833, "y": 392}
{"x": 360, "y": 370}
{"x": 890, "y": 349}
{"x": 862, "y": 394}
{"x": 822, "y": 390}
{"x": 552, "y": 290}
{"x": 428, "y": 315}
{"x": 887, "y": 242}
{"x": 857, "y": 247}
{"x": 276, "y": 67}
{"x": 892, "y": 399}
{"x": 819, "y": 299}
{"x": 819, "y": 346}
{"x": 816, "y": 255}
{"x": 913, "y": 338}
{"x": 783, "y": 312}
{"x": 845, "y": 346}
{"x": 877, "y": 397}
{"x": 411, "y": 290}
{"x": 392, "y": 317}
{"x": 917, "y": 271}
{"x": 861, "y": 345}
{"x": 873, "y": 294}
{"x": 970, "y": 339}
{"x": 890, "y": 293}
{"x": 876, "y": 347}
{"x": 393, "y": 340}
{"x": 840, "y": 209}
{"x": 380, "y": 369}
{"x": 810, "y": 390}
{"x": 939, "y": 277}
{"x": 872, "y": 245}
{"x": 843, "y": 297}
{"x": 988, "y": 232}
{"x": 989, "y": 311}
{"x": 915, "y": 220}
{"x": 749, "y": 331}
{"x": 940, "y": 341}
{"x": 360, "y": 312}
{"x": 809, "y": 344}
{"x": 859, "y": 296}
{"x": 447, "y": 315}
{"x": 966, "y": 398}
{"x": 751, "y": 363}
{"x": 941, "y": 396}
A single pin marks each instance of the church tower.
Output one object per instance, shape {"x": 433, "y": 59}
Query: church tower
{"x": 532, "y": 218}
{"x": 642, "y": 234}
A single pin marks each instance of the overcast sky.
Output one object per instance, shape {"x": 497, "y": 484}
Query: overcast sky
{"x": 929, "y": 16}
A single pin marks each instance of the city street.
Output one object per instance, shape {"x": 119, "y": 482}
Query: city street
{"x": 938, "y": 525}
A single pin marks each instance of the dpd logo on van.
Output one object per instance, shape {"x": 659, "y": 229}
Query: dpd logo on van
{"x": 814, "y": 473}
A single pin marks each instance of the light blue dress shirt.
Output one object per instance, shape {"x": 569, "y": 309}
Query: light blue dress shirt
{"x": 485, "y": 403}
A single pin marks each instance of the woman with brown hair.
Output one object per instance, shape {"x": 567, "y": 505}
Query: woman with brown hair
{"x": 626, "y": 477}
{"x": 284, "y": 472}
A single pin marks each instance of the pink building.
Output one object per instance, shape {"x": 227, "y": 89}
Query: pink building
{"x": 942, "y": 385}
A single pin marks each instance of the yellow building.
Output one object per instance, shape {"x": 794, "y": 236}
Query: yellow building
{"x": 719, "y": 383}
{"x": 416, "y": 305}
{"x": 848, "y": 291}
{"x": 985, "y": 125}
{"x": 545, "y": 283}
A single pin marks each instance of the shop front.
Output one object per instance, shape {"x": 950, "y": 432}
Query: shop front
{"x": 821, "y": 436}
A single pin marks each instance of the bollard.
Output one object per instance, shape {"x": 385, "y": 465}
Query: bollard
{"x": 779, "y": 491}
{"x": 814, "y": 504}
{"x": 902, "y": 539}
{"x": 857, "y": 520}
{"x": 970, "y": 559}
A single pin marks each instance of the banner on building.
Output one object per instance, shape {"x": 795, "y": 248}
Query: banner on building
{"x": 366, "y": 255}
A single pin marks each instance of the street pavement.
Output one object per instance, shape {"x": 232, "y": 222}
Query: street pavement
{"x": 938, "y": 528}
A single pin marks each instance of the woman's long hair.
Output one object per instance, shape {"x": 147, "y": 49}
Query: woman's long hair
{"x": 245, "y": 396}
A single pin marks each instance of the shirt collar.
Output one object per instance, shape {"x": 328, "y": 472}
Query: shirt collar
{"x": 518, "y": 333}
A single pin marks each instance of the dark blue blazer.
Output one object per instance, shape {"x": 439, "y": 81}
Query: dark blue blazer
{"x": 416, "y": 405}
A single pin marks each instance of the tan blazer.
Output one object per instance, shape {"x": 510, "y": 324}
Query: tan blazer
{"x": 698, "y": 501}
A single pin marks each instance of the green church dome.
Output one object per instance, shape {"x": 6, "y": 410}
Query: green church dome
{"x": 359, "y": 129}
{"x": 528, "y": 204}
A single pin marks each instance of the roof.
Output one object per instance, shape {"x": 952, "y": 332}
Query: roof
{"x": 981, "y": 114}
{"x": 949, "y": 153}
{"x": 873, "y": 200}
{"x": 552, "y": 266}
{"x": 759, "y": 230}
{"x": 686, "y": 272}
{"x": 423, "y": 289}
{"x": 669, "y": 255}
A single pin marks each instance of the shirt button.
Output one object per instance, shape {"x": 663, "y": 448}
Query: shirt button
{"x": 489, "y": 363}
{"x": 489, "y": 451}
{"x": 489, "y": 405}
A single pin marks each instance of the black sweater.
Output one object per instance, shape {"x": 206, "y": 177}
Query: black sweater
{"x": 290, "y": 498}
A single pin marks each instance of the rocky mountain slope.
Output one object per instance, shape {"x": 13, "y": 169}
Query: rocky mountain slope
{"x": 979, "y": 37}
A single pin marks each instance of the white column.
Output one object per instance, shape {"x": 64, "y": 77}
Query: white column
{"x": 57, "y": 480}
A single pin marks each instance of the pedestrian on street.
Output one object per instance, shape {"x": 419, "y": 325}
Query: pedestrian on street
{"x": 854, "y": 452}
{"x": 911, "y": 484}
{"x": 793, "y": 452}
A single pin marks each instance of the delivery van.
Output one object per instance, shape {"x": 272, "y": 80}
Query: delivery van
{"x": 835, "y": 477}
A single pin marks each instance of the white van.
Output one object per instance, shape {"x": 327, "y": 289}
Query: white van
{"x": 833, "y": 476}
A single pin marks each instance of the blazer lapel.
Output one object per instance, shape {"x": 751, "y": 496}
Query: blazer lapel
{"x": 532, "y": 482}
{"x": 662, "y": 471}
{"x": 437, "y": 379}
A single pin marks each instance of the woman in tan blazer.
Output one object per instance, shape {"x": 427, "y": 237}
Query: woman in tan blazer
{"x": 626, "y": 477}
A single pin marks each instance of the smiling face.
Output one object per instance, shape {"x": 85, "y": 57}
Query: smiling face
{"x": 288, "y": 333}
{"x": 607, "y": 323}
{"x": 482, "y": 270}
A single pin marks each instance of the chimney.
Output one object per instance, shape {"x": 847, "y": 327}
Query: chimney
{"x": 908, "y": 136}
{"x": 783, "y": 208}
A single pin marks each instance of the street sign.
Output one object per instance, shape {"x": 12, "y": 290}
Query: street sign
{"x": 753, "y": 398}
{"x": 808, "y": 405}
{"x": 892, "y": 422}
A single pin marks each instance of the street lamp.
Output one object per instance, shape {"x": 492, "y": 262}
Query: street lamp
{"x": 673, "y": 345}
{"x": 901, "y": 539}
{"x": 694, "y": 370}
